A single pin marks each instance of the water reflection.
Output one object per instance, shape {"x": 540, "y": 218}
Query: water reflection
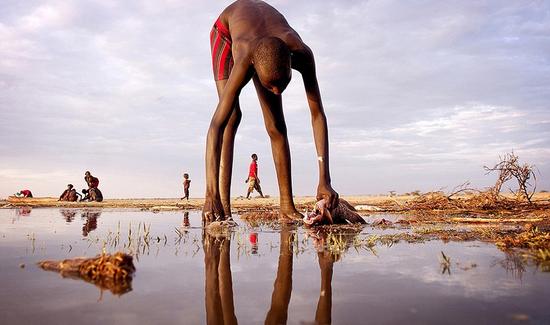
{"x": 23, "y": 211}
{"x": 220, "y": 308}
{"x": 185, "y": 222}
{"x": 282, "y": 287}
{"x": 253, "y": 238}
{"x": 91, "y": 221}
{"x": 68, "y": 214}
{"x": 407, "y": 274}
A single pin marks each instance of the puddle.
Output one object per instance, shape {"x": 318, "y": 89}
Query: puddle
{"x": 260, "y": 275}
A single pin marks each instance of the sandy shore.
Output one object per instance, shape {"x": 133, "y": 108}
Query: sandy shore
{"x": 238, "y": 204}
{"x": 371, "y": 203}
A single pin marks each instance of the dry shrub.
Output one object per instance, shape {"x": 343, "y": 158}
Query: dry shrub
{"x": 260, "y": 215}
{"x": 531, "y": 239}
{"x": 111, "y": 272}
{"x": 509, "y": 168}
{"x": 534, "y": 244}
{"x": 430, "y": 201}
{"x": 480, "y": 201}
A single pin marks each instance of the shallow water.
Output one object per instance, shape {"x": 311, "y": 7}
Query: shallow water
{"x": 285, "y": 277}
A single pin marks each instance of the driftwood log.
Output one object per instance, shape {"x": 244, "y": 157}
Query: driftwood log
{"x": 111, "y": 272}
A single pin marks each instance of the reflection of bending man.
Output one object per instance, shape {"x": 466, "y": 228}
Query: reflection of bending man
{"x": 218, "y": 281}
{"x": 282, "y": 288}
{"x": 323, "y": 314}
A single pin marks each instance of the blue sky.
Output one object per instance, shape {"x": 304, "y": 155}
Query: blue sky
{"x": 419, "y": 95}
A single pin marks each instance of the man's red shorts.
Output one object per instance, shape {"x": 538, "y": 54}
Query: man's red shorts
{"x": 222, "y": 58}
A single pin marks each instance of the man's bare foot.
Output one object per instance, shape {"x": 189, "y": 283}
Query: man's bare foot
{"x": 290, "y": 215}
{"x": 212, "y": 210}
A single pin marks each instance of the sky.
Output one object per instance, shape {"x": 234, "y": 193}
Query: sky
{"x": 419, "y": 95}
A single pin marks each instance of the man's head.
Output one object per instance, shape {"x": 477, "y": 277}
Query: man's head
{"x": 271, "y": 59}
{"x": 186, "y": 176}
{"x": 87, "y": 173}
{"x": 254, "y": 156}
{"x": 69, "y": 186}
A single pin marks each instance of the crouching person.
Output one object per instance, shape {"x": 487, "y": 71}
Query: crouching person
{"x": 92, "y": 194}
{"x": 70, "y": 194}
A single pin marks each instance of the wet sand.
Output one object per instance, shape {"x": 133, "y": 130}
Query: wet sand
{"x": 238, "y": 204}
{"x": 362, "y": 202}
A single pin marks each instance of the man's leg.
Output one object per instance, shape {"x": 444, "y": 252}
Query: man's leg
{"x": 258, "y": 188}
{"x": 274, "y": 120}
{"x": 226, "y": 161}
{"x": 251, "y": 182}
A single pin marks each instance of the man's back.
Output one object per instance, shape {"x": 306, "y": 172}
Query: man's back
{"x": 248, "y": 20}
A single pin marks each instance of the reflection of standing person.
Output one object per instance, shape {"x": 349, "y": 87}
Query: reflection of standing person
{"x": 186, "y": 185}
{"x": 254, "y": 242}
{"x": 186, "y": 223}
{"x": 253, "y": 180}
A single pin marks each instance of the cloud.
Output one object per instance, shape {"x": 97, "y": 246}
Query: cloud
{"x": 410, "y": 92}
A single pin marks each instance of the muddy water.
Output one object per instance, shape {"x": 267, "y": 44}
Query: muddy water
{"x": 263, "y": 274}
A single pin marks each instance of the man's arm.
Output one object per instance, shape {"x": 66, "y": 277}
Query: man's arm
{"x": 306, "y": 66}
{"x": 239, "y": 76}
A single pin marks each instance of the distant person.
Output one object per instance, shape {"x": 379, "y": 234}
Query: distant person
{"x": 91, "y": 195}
{"x": 92, "y": 181}
{"x": 24, "y": 193}
{"x": 69, "y": 194}
{"x": 186, "y": 185}
{"x": 253, "y": 180}
{"x": 251, "y": 40}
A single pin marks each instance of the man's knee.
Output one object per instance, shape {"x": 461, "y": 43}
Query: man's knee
{"x": 276, "y": 130}
{"x": 235, "y": 119}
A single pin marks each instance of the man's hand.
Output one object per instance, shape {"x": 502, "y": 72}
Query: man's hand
{"x": 325, "y": 191}
{"x": 246, "y": 180}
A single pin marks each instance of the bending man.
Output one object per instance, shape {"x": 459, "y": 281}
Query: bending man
{"x": 252, "y": 41}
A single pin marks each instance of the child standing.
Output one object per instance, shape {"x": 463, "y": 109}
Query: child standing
{"x": 186, "y": 184}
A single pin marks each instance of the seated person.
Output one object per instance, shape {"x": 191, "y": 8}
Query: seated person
{"x": 92, "y": 181}
{"x": 92, "y": 194}
{"x": 69, "y": 194}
